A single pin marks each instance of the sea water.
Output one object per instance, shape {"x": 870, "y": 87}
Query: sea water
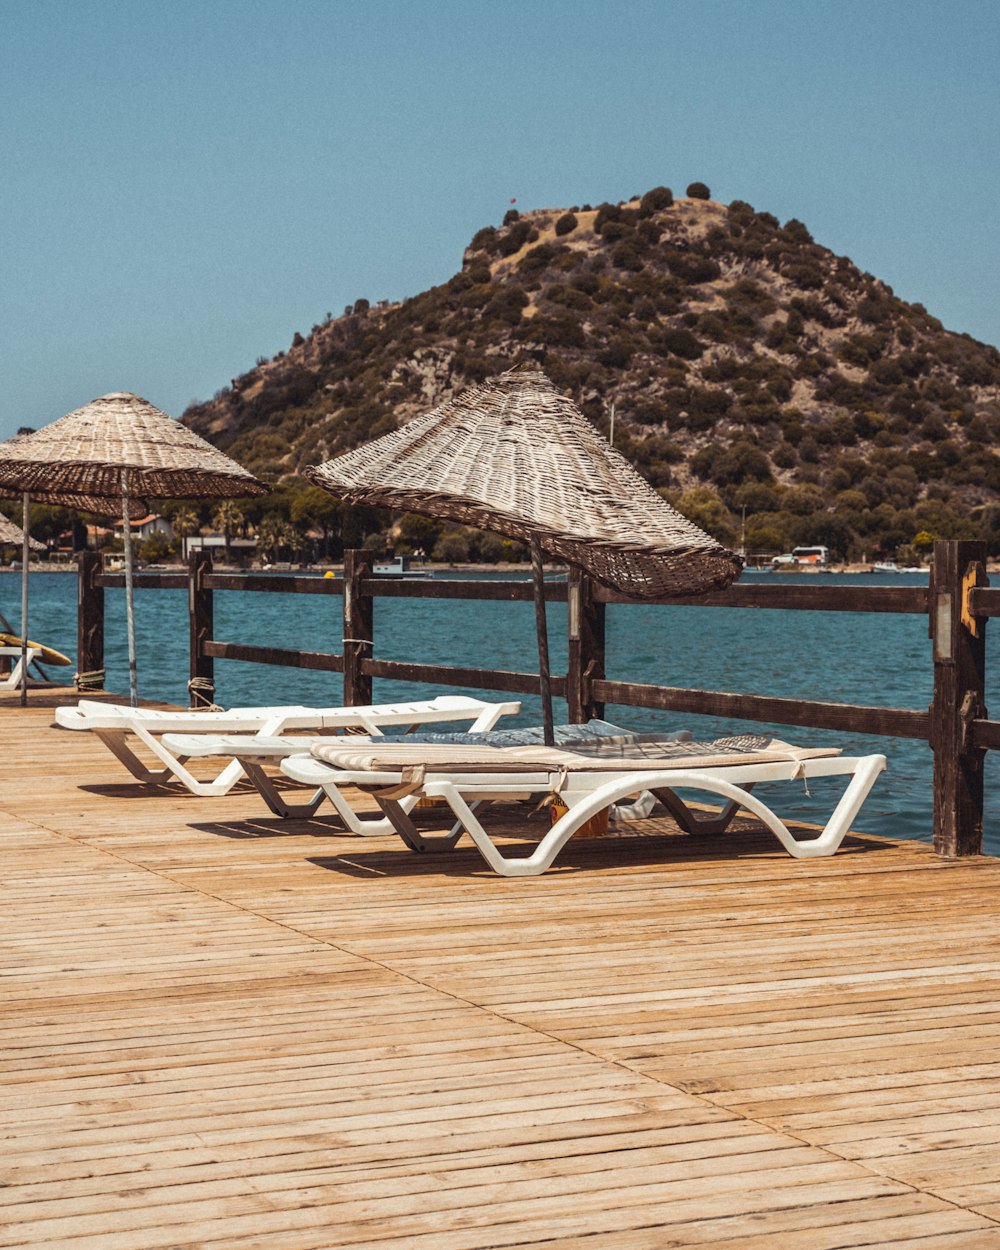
{"x": 878, "y": 659}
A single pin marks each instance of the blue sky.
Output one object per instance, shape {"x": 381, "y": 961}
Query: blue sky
{"x": 186, "y": 184}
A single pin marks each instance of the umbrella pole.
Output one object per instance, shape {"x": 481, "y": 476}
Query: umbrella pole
{"x": 25, "y": 557}
{"x": 541, "y": 628}
{"x": 133, "y": 682}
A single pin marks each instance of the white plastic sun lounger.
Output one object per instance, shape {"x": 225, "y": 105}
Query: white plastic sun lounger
{"x": 587, "y": 784}
{"x": 116, "y": 723}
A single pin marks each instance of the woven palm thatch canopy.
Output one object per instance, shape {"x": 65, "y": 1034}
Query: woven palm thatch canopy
{"x": 11, "y": 535}
{"x": 85, "y": 452}
{"x": 101, "y": 505}
{"x": 515, "y": 456}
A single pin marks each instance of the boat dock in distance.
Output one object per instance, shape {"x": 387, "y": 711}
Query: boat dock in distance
{"x": 227, "y": 1030}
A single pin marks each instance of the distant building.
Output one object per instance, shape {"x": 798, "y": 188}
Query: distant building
{"x": 241, "y": 550}
{"x": 151, "y": 524}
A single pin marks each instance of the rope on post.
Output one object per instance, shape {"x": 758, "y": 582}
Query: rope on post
{"x": 87, "y": 682}
{"x": 202, "y": 692}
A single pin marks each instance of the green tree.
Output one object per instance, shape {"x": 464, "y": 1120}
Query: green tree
{"x": 924, "y": 541}
{"x": 185, "y": 523}
{"x": 154, "y": 548}
{"x": 376, "y": 545}
{"x": 269, "y": 537}
{"x": 315, "y": 508}
{"x": 292, "y": 539}
{"x": 703, "y": 506}
{"x": 228, "y": 517}
{"x": 452, "y": 547}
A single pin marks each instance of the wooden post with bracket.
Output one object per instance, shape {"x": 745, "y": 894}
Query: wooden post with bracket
{"x": 359, "y": 626}
{"x": 959, "y": 644}
{"x": 586, "y": 648}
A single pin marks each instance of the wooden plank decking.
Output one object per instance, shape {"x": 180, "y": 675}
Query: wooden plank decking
{"x": 223, "y": 1031}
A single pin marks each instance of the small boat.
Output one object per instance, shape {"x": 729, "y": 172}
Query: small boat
{"x": 888, "y": 566}
{"x": 398, "y": 566}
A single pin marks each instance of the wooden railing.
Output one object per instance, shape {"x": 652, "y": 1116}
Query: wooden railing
{"x": 957, "y": 605}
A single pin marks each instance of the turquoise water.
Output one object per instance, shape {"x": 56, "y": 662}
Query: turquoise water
{"x": 868, "y": 658}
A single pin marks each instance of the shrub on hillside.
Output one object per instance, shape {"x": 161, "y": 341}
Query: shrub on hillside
{"x": 655, "y": 200}
{"x": 558, "y": 330}
{"x": 625, "y": 256}
{"x": 741, "y": 214}
{"x": 506, "y": 305}
{"x": 698, "y": 191}
{"x": 510, "y": 216}
{"x": 569, "y": 297}
{"x": 616, "y": 231}
{"x": 484, "y": 240}
{"x": 806, "y": 276}
{"x": 682, "y": 343}
{"x": 566, "y": 224}
{"x": 618, "y": 352}
{"x": 730, "y": 466}
{"x": 793, "y": 231}
{"x": 479, "y": 273}
{"x": 692, "y": 267}
{"x": 539, "y": 258}
{"x": 520, "y": 233}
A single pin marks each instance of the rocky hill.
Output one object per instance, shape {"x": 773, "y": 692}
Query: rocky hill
{"x": 754, "y": 376}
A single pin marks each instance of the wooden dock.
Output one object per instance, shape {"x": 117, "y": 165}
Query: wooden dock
{"x": 226, "y": 1032}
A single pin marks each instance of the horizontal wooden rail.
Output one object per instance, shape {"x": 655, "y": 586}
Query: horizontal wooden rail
{"x": 290, "y": 585}
{"x": 144, "y": 581}
{"x": 827, "y": 597}
{"x": 985, "y": 734}
{"x": 891, "y": 722}
{"x": 321, "y": 660}
{"x": 984, "y": 601}
{"x": 445, "y": 675}
{"x": 911, "y": 600}
{"x": 429, "y": 588}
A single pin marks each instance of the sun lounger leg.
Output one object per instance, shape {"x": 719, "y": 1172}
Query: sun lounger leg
{"x": 114, "y": 740}
{"x": 399, "y": 818}
{"x": 690, "y": 822}
{"x": 364, "y": 826}
{"x": 272, "y": 796}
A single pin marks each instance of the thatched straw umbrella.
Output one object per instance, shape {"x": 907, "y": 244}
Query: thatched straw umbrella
{"x": 116, "y": 448}
{"x": 515, "y": 456}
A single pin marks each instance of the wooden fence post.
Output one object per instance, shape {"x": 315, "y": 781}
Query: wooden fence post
{"x": 585, "y": 628}
{"x": 89, "y": 624}
{"x": 201, "y": 613}
{"x": 959, "y": 697}
{"x": 359, "y": 622}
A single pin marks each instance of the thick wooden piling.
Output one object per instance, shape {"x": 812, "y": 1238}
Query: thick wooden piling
{"x": 959, "y": 641}
{"x": 586, "y": 634}
{"x": 359, "y": 620}
{"x": 201, "y": 611}
{"x": 89, "y": 623}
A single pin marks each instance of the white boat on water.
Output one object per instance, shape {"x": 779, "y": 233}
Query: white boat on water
{"x": 887, "y": 566}
{"x": 398, "y": 566}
